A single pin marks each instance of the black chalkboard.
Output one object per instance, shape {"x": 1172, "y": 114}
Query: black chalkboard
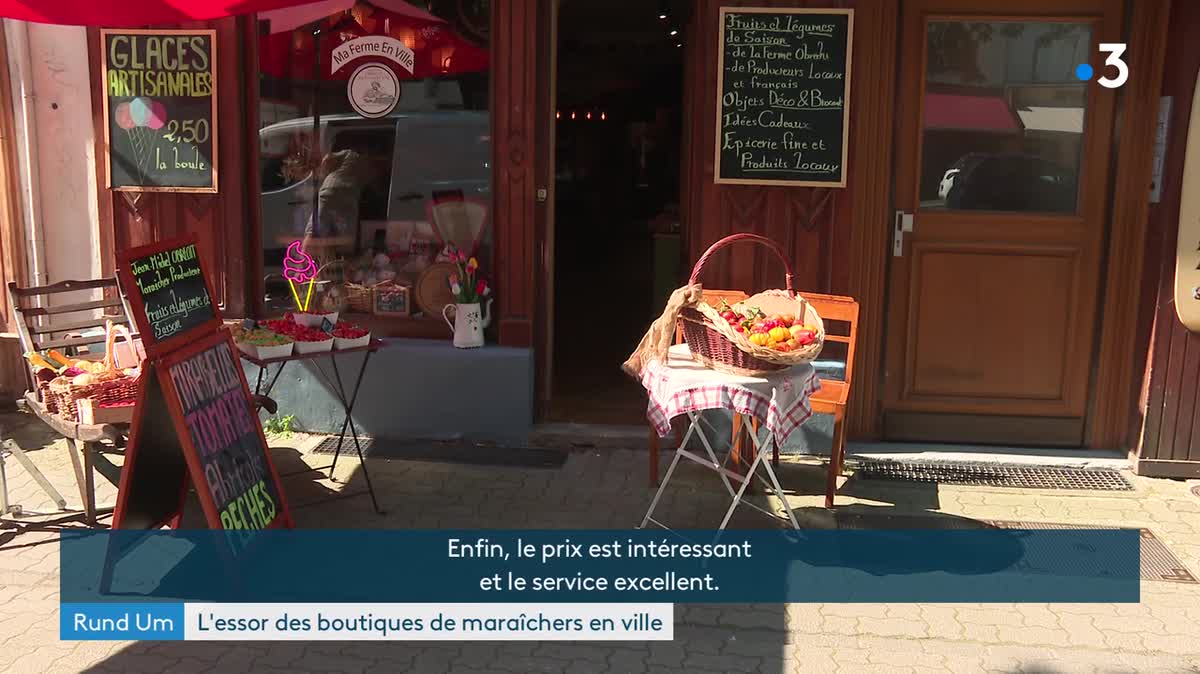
{"x": 151, "y": 492}
{"x": 171, "y": 292}
{"x": 234, "y": 477}
{"x": 195, "y": 422}
{"x": 160, "y": 109}
{"x": 784, "y": 92}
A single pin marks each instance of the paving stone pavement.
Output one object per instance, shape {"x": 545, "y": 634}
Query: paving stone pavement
{"x": 607, "y": 489}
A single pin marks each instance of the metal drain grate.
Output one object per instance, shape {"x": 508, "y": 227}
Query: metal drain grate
{"x": 994, "y": 475}
{"x": 1156, "y": 562}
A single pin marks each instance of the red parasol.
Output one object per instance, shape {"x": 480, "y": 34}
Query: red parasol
{"x": 126, "y": 13}
{"x": 287, "y": 51}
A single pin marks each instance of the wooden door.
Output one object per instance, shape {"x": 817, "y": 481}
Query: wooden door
{"x": 1003, "y": 163}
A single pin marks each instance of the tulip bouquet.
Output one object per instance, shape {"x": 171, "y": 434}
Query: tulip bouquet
{"x": 466, "y": 285}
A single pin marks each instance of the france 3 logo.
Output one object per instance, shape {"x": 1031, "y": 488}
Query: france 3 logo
{"x": 1084, "y": 71}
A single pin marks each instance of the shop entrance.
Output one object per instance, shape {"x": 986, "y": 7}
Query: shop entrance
{"x": 1003, "y": 161}
{"x": 615, "y": 231}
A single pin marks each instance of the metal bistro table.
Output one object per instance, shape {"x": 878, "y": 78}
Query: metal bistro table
{"x": 334, "y": 380}
{"x": 680, "y": 386}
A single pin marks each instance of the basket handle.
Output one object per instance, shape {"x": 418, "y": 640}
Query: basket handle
{"x": 755, "y": 238}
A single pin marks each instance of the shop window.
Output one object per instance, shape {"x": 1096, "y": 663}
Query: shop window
{"x": 374, "y": 194}
{"x": 1004, "y": 114}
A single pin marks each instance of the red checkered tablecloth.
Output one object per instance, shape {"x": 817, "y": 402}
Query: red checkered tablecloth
{"x": 679, "y": 385}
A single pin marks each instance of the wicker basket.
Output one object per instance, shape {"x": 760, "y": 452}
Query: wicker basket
{"x": 48, "y": 399}
{"x": 67, "y": 395}
{"x": 111, "y": 386}
{"x": 358, "y": 298}
{"x": 716, "y": 344}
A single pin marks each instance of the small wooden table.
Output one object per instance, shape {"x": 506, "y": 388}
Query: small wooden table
{"x": 334, "y": 381}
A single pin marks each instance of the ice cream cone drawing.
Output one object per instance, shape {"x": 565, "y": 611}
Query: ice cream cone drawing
{"x": 298, "y": 267}
{"x": 141, "y": 118}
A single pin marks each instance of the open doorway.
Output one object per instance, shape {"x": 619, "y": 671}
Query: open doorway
{"x": 616, "y": 224}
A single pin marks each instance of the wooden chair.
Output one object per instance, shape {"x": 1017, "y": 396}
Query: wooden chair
{"x": 840, "y": 315}
{"x": 711, "y": 297}
{"x": 38, "y": 334}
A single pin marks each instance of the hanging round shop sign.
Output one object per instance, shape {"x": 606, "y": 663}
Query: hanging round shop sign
{"x": 373, "y": 90}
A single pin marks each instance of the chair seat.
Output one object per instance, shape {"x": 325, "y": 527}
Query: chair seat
{"x": 831, "y": 393}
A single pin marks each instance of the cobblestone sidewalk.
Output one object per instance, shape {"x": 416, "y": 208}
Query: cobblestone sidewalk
{"x": 607, "y": 488}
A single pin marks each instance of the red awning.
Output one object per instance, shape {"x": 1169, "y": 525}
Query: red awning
{"x": 438, "y": 51}
{"x": 124, "y": 13}
{"x": 291, "y": 18}
{"x": 970, "y": 113}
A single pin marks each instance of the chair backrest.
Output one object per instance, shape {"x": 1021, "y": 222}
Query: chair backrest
{"x": 38, "y": 335}
{"x": 840, "y": 315}
{"x": 713, "y": 298}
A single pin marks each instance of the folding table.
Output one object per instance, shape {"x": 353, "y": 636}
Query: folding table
{"x": 334, "y": 381}
{"x": 679, "y": 386}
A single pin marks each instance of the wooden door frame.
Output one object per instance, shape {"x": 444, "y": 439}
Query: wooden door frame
{"x": 1111, "y": 414}
{"x": 544, "y": 217}
{"x": 1113, "y": 417}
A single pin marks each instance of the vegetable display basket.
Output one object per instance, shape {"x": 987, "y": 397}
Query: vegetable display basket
{"x": 718, "y": 345}
{"x": 358, "y": 298}
{"x": 108, "y": 386}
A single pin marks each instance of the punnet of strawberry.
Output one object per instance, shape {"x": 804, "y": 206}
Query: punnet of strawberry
{"x": 296, "y": 331}
{"x": 349, "y": 331}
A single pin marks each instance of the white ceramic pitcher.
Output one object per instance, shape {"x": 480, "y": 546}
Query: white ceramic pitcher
{"x": 469, "y": 322}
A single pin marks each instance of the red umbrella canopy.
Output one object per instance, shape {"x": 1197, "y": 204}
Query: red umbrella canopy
{"x": 436, "y": 49}
{"x": 126, "y": 13}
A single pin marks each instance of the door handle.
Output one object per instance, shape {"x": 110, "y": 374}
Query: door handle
{"x": 903, "y": 223}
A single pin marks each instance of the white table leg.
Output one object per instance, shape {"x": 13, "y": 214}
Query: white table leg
{"x": 671, "y": 471}
{"x": 760, "y": 450}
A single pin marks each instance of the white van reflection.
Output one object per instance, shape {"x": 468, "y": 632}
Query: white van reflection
{"x": 407, "y": 159}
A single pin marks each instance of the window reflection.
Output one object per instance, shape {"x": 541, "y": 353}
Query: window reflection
{"x": 1003, "y": 116}
{"x": 373, "y": 200}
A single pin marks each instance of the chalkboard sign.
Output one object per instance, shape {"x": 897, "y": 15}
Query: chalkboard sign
{"x": 154, "y": 472}
{"x": 160, "y": 100}
{"x": 169, "y": 293}
{"x": 392, "y": 300}
{"x": 783, "y": 108}
{"x": 213, "y": 432}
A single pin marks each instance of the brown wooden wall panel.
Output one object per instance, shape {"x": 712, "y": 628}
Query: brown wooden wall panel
{"x": 514, "y": 94}
{"x": 221, "y": 221}
{"x": 1170, "y": 440}
{"x": 837, "y": 239}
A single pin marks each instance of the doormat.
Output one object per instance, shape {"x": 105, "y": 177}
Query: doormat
{"x": 1158, "y": 563}
{"x": 441, "y": 451}
{"x": 980, "y": 474}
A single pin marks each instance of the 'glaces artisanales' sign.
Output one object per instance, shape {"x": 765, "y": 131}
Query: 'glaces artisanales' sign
{"x": 160, "y": 97}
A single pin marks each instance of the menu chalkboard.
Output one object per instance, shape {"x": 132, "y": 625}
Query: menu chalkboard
{"x": 195, "y": 417}
{"x": 168, "y": 291}
{"x": 225, "y": 437}
{"x": 160, "y": 97}
{"x": 783, "y": 110}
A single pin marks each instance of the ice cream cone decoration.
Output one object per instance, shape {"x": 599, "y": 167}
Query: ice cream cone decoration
{"x": 142, "y": 119}
{"x": 298, "y": 267}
